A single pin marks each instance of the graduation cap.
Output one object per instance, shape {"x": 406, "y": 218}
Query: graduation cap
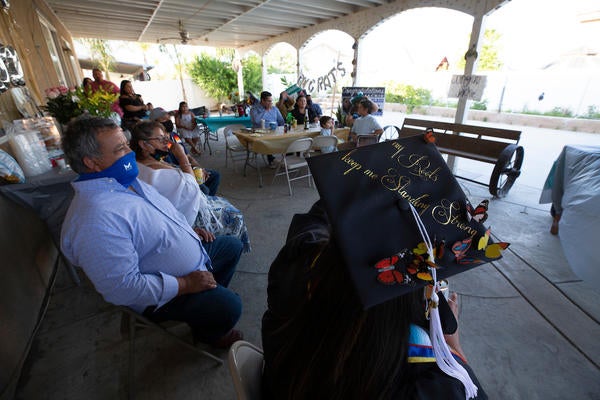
{"x": 399, "y": 217}
{"x": 401, "y": 221}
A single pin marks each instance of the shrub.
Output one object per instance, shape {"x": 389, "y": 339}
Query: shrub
{"x": 409, "y": 95}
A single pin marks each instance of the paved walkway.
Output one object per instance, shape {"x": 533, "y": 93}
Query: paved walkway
{"x": 529, "y": 327}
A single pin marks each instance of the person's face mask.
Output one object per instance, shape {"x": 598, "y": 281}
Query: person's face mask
{"x": 159, "y": 154}
{"x": 124, "y": 171}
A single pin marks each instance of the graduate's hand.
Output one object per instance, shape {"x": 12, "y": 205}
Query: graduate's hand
{"x": 453, "y": 340}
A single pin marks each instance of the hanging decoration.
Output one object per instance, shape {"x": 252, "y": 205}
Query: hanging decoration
{"x": 324, "y": 82}
{"x": 11, "y": 72}
{"x": 9, "y": 55}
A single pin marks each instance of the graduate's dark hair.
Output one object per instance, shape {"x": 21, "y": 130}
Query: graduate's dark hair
{"x": 334, "y": 349}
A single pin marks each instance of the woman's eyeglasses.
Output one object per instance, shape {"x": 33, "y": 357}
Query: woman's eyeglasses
{"x": 162, "y": 139}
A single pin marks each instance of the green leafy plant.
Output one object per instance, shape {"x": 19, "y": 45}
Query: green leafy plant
{"x": 406, "y": 94}
{"x": 592, "y": 113}
{"x": 99, "y": 103}
{"x": 340, "y": 116}
{"x": 65, "y": 104}
{"x": 219, "y": 80}
{"x": 479, "y": 105}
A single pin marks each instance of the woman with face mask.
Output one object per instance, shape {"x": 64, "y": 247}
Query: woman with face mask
{"x": 210, "y": 216}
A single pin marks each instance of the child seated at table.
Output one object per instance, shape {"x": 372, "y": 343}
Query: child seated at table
{"x": 326, "y": 130}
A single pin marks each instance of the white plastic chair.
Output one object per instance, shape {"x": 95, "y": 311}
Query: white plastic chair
{"x": 324, "y": 141}
{"x": 365, "y": 140}
{"x": 290, "y": 162}
{"x": 246, "y": 368}
{"x": 234, "y": 150}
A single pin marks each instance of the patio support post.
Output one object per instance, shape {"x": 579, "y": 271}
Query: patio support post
{"x": 471, "y": 57}
{"x": 354, "y": 73}
{"x": 297, "y": 63}
{"x": 238, "y": 68}
{"x": 264, "y": 69}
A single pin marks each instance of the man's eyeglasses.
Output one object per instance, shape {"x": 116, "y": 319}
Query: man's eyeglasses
{"x": 162, "y": 139}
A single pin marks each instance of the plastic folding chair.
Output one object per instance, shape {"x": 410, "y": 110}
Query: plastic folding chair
{"x": 246, "y": 367}
{"x": 365, "y": 140}
{"x": 293, "y": 163}
{"x": 324, "y": 141}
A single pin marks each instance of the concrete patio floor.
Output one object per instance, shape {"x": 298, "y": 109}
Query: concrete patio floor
{"x": 529, "y": 326}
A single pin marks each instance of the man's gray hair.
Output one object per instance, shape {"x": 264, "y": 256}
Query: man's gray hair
{"x": 81, "y": 140}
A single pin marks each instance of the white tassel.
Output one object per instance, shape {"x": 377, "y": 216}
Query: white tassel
{"x": 443, "y": 356}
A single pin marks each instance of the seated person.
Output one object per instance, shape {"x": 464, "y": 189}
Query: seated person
{"x": 301, "y": 110}
{"x": 132, "y": 105}
{"x": 211, "y": 180}
{"x": 185, "y": 121}
{"x": 365, "y": 124}
{"x": 285, "y": 104}
{"x": 264, "y": 113}
{"x": 315, "y": 318}
{"x": 326, "y": 130}
{"x": 316, "y": 108}
{"x": 356, "y": 312}
{"x": 210, "y": 213}
{"x": 136, "y": 248}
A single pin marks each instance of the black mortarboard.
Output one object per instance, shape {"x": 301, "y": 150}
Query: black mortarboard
{"x": 368, "y": 192}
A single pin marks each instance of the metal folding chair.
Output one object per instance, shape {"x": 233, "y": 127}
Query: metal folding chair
{"x": 131, "y": 322}
{"x": 293, "y": 163}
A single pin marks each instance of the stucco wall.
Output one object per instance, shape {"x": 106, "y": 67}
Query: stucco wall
{"x": 20, "y": 28}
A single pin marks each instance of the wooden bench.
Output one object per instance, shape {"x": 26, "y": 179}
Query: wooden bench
{"x": 485, "y": 144}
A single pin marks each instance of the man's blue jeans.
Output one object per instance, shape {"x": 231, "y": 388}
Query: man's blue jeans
{"x": 211, "y": 313}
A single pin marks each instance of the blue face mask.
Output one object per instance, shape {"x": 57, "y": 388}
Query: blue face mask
{"x": 124, "y": 170}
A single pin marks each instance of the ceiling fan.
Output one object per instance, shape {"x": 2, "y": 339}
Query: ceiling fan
{"x": 184, "y": 35}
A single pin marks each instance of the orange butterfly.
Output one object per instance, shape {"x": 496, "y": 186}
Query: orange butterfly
{"x": 388, "y": 274}
{"x": 428, "y": 136}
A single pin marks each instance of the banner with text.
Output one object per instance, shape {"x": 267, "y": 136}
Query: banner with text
{"x": 375, "y": 94}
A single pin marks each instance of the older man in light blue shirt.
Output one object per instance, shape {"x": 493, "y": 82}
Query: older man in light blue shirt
{"x": 136, "y": 248}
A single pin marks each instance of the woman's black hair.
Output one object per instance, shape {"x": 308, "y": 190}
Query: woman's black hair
{"x": 333, "y": 348}
{"x": 123, "y": 83}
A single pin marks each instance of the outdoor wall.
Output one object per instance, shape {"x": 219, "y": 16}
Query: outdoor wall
{"x": 20, "y": 28}
{"x": 168, "y": 94}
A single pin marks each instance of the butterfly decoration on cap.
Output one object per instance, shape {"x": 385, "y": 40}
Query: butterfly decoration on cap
{"x": 491, "y": 250}
{"x": 409, "y": 266}
{"x": 429, "y": 136}
{"x": 478, "y": 213}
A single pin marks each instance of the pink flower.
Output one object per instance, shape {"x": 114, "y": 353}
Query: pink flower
{"x": 52, "y": 93}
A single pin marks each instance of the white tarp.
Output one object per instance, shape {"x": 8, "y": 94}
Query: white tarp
{"x": 573, "y": 187}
